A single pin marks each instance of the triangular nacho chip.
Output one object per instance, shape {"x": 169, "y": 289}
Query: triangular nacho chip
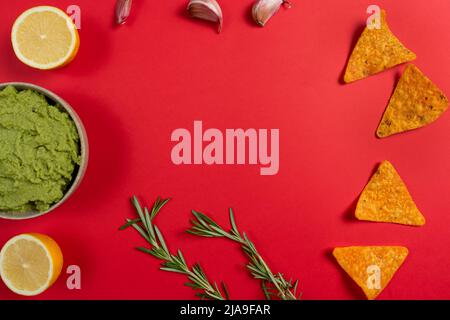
{"x": 376, "y": 51}
{"x": 371, "y": 267}
{"x": 416, "y": 102}
{"x": 386, "y": 199}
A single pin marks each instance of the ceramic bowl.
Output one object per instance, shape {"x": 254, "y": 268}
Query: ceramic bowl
{"x": 84, "y": 149}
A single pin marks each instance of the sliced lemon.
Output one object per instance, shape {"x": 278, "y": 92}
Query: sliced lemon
{"x": 45, "y": 38}
{"x": 30, "y": 263}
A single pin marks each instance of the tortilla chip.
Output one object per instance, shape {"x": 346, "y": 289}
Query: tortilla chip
{"x": 376, "y": 51}
{"x": 386, "y": 199}
{"x": 416, "y": 102}
{"x": 372, "y": 268}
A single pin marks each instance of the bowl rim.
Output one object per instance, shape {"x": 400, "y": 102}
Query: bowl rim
{"x": 84, "y": 149}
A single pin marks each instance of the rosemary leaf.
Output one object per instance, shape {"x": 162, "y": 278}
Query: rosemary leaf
{"x": 266, "y": 292}
{"x": 172, "y": 270}
{"x": 129, "y": 223}
{"x": 161, "y": 239}
{"x": 192, "y": 285}
{"x": 141, "y": 232}
{"x": 139, "y": 211}
{"x": 233, "y": 223}
{"x": 145, "y": 250}
{"x": 225, "y": 290}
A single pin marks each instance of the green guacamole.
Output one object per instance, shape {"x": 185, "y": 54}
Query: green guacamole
{"x": 39, "y": 151}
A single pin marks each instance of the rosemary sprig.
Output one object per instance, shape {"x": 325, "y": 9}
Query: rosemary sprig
{"x": 273, "y": 285}
{"x": 171, "y": 262}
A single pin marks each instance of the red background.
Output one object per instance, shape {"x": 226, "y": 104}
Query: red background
{"x": 133, "y": 85}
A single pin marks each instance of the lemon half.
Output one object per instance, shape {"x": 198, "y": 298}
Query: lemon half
{"x": 45, "y": 38}
{"x": 30, "y": 263}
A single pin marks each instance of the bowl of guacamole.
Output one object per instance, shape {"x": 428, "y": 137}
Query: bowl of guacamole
{"x": 43, "y": 151}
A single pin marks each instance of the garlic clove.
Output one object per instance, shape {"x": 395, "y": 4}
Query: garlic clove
{"x": 122, "y": 11}
{"x": 207, "y": 10}
{"x": 263, "y": 10}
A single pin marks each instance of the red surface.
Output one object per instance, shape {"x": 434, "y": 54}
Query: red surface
{"x": 134, "y": 84}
